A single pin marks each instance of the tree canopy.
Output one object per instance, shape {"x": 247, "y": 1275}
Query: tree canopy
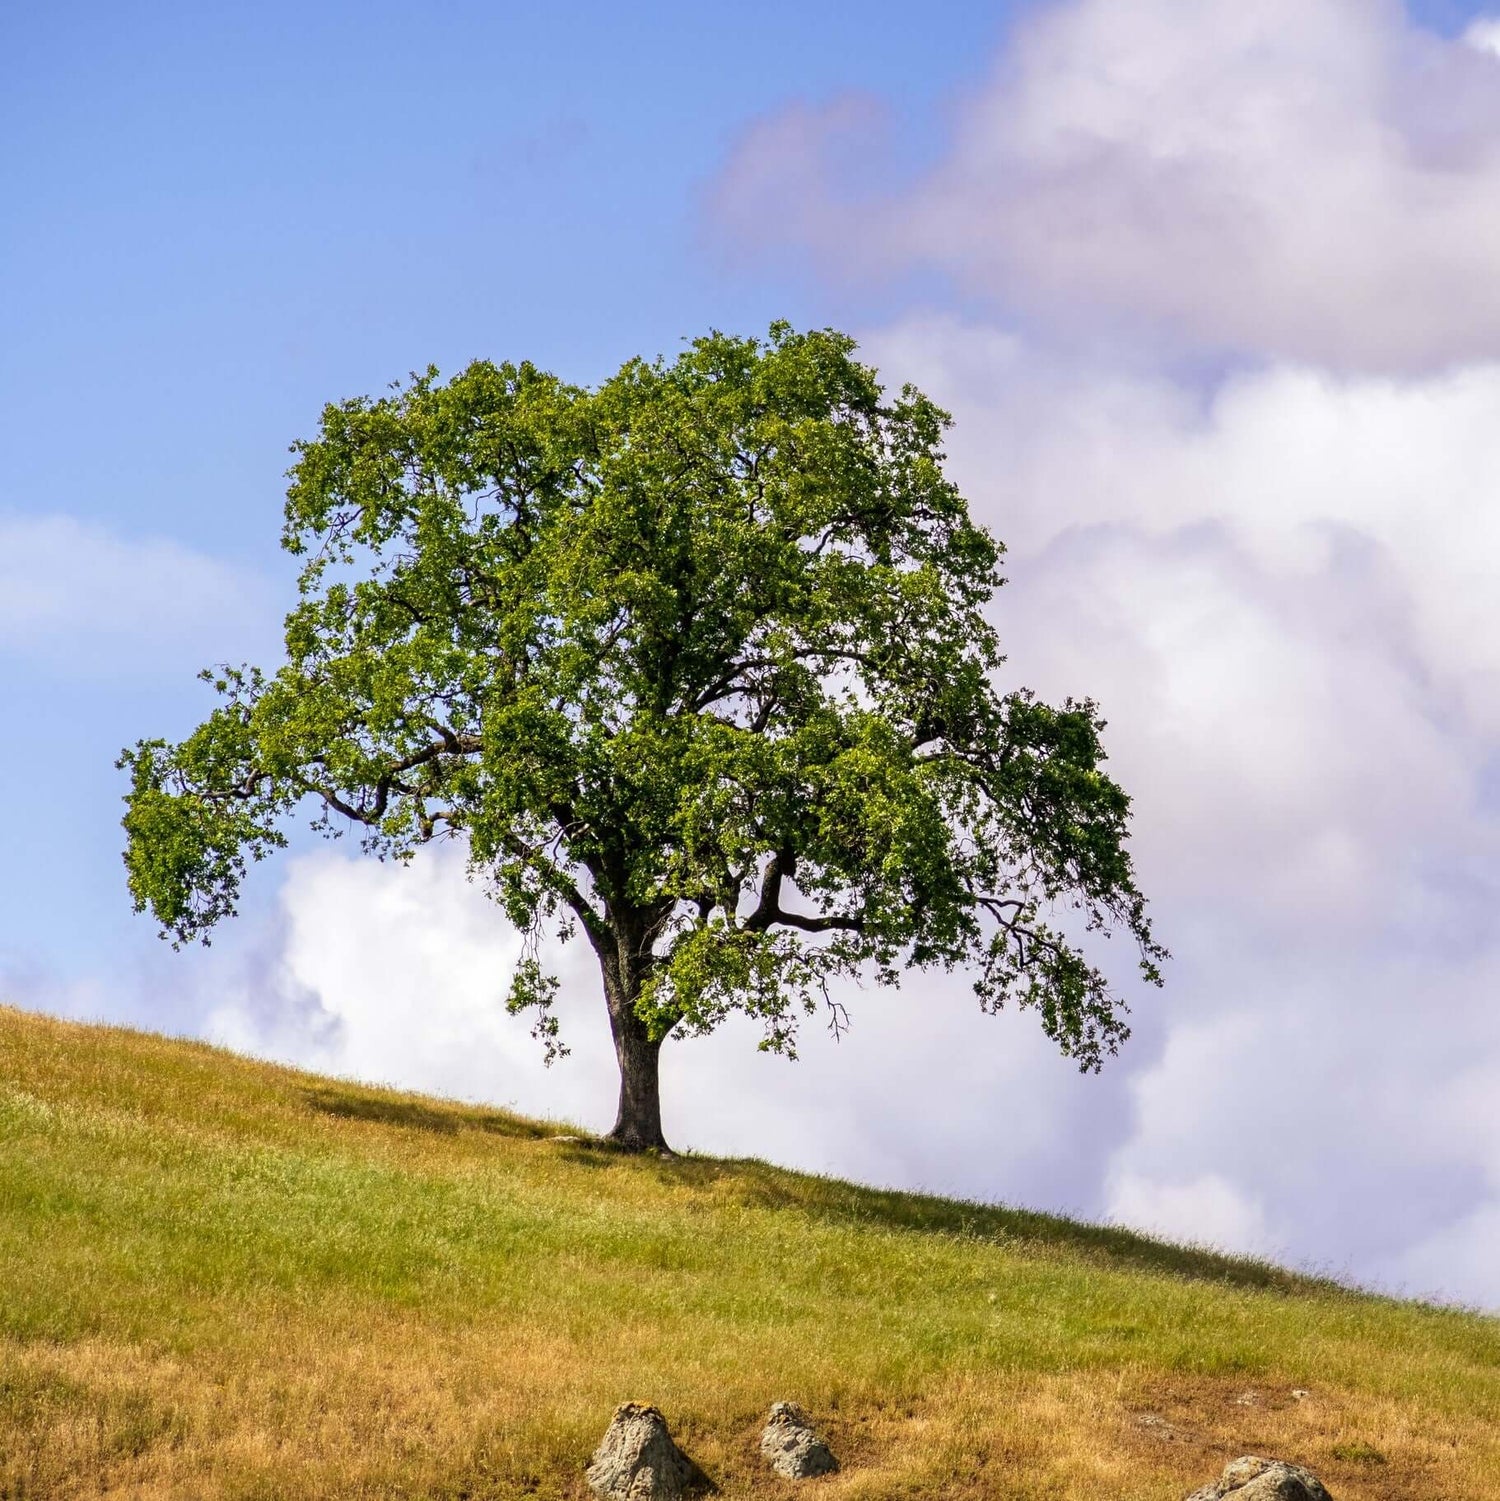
{"x": 696, "y": 662}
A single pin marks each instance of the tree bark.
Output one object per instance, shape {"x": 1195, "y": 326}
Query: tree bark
{"x": 638, "y": 1120}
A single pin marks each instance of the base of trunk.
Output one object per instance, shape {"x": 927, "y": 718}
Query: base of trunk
{"x": 632, "y": 1143}
{"x": 638, "y": 1121}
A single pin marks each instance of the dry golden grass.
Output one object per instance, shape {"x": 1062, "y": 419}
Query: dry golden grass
{"x": 223, "y": 1279}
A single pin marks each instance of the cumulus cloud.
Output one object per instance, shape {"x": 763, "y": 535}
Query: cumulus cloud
{"x": 1311, "y": 179}
{"x": 1361, "y": 510}
{"x": 394, "y": 974}
{"x": 1206, "y": 1210}
{"x": 80, "y": 599}
{"x": 1278, "y": 588}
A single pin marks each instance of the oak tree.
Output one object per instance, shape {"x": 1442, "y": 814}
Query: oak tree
{"x": 697, "y": 665}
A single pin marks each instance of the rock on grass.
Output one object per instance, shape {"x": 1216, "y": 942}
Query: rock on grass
{"x": 637, "y": 1460}
{"x": 1251, "y": 1478}
{"x": 793, "y": 1447}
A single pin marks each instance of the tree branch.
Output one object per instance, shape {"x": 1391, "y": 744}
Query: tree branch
{"x": 371, "y": 813}
{"x": 769, "y": 910}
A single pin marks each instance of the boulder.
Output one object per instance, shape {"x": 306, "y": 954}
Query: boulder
{"x": 637, "y": 1461}
{"x": 1253, "y": 1479}
{"x": 793, "y": 1447}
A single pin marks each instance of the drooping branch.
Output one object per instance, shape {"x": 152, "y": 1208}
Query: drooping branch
{"x": 556, "y": 879}
{"x": 552, "y": 875}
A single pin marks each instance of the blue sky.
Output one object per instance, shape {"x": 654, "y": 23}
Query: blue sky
{"x": 1225, "y": 436}
{"x": 219, "y": 218}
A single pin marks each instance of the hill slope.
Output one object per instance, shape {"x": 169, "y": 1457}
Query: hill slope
{"x": 220, "y": 1278}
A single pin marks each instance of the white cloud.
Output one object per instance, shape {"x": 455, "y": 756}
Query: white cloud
{"x": 1278, "y": 590}
{"x": 1483, "y": 34}
{"x": 1362, "y": 509}
{"x": 1205, "y": 1211}
{"x": 398, "y": 974}
{"x": 1312, "y": 179}
{"x": 1458, "y": 1263}
{"x": 83, "y": 601}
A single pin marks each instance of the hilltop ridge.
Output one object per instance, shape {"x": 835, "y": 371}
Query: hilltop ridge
{"x": 225, "y": 1278}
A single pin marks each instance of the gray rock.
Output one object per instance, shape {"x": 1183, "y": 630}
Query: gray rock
{"x": 1253, "y": 1479}
{"x": 637, "y": 1461}
{"x": 793, "y": 1447}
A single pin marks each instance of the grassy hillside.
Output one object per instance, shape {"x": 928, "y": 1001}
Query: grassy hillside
{"x": 224, "y": 1279}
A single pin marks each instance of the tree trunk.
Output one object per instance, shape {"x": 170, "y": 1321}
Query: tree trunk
{"x": 638, "y": 1120}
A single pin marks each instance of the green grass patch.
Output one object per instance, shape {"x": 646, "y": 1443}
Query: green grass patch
{"x": 227, "y": 1279}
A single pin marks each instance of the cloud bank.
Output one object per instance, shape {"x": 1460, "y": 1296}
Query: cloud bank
{"x": 1314, "y": 179}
